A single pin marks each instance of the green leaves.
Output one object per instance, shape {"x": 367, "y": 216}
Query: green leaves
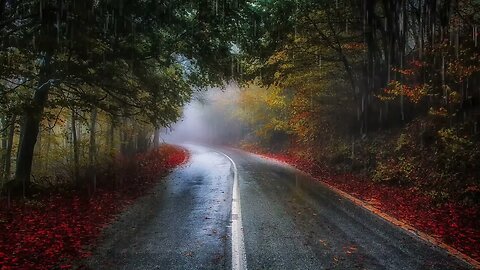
{"x": 120, "y": 54}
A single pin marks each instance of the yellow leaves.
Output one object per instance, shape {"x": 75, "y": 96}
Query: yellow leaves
{"x": 417, "y": 92}
{"x": 277, "y": 75}
{"x": 454, "y": 97}
{"x": 278, "y": 56}
{"x": 405, "y": 71}
{"x": 264, "y": 108}
{"x": 354, "y": 46}
{"x": 274, "y": 124}
{"x": 274, "y": 98}
{"x": 459, "y": 71}
{"x": 300, "y": 40}
{"x": 440, "y": 112}
{"x": 395, "y": 89}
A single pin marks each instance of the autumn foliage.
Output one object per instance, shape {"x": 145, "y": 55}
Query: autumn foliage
{"x": 54, "y": 229}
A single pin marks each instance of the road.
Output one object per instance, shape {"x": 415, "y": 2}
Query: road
{"x": 282, "y": 219}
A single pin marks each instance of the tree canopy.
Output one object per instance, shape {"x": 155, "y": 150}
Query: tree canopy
{"x": 130, "y": 59}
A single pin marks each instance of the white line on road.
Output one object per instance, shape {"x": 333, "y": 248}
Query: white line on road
{"x": 239, "y": 259}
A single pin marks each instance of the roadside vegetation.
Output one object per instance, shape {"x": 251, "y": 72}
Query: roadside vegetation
{"x": 56, "y": 228}
{"x": 85, "y": 88}
{"x": 83, "y": 82}
{"x": 379, "y": 98}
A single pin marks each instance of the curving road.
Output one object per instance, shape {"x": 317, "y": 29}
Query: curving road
{"x": 278, "y": 219}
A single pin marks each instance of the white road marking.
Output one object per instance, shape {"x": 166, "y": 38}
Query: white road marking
{"x": 239, "y": 259}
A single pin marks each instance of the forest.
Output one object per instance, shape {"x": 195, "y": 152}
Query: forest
{"x": 389, "y": 88}
{"x": 377, "y": 98}
{"x": 83, "y": 81}
{"x": 383, "y": 93}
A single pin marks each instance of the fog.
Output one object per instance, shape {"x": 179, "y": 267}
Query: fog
{"x": 208, "y": 119}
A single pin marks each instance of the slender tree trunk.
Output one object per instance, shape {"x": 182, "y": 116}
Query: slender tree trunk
{"x": 38, "y": 150}
{"x": 111, "y": 151}
{"x": 8, "y": 153}
{"x": 2, "y": 6}
{"x": 122, "y": 168}
{"x": 4, "y": 129}
{"x": 33, "y": 116}
{"x": 123, "y": 141}
{"x": 111, "y": 137}
{"x": 135, "y": 138}
{"x": 47, "y": 150}
{"x": 92, "y": 159}
{"x": 76, "y": 150}
{"x": 156, "y": 137}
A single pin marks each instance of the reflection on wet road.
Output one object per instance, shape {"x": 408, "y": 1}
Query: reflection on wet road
{"x": 288, "y": 221}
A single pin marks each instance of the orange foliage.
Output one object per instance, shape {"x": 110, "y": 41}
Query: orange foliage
{"x": 414, "y": 93}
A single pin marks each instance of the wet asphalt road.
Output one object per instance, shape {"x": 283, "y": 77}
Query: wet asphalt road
{"x": 289, "y": 222}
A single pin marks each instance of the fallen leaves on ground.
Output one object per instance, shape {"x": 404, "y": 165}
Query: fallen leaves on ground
{"x": 55, "y": 230}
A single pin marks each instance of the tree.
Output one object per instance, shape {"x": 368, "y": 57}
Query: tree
{"x": 109, "y": 55}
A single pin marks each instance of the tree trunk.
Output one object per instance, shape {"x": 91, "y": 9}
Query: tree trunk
{"x": 2, "y": 6}
{"x": 123, "y": 141}
{"x": 111, "y": 151}
{"x": 76, "y": 151}
{"x": 37, "y": 151}
{"x": 111, "y": 137}
{"x": 156, "y": 137}
{"x": 31, "y": 126}
{"x": 8, "y": 154}
{"x": 4, "y": 129}
{"x": 47, "y": 150}
{"x": 92, "y": 156}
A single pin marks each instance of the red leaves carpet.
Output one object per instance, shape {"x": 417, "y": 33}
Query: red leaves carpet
{"x": 55, "y": 230}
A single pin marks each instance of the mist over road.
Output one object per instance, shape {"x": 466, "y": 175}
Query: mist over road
{"x": 287, "y": 221}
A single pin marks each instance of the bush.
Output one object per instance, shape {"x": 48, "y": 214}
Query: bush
{"x": 455, "y": 153}
{"x": 398, "y": 171}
